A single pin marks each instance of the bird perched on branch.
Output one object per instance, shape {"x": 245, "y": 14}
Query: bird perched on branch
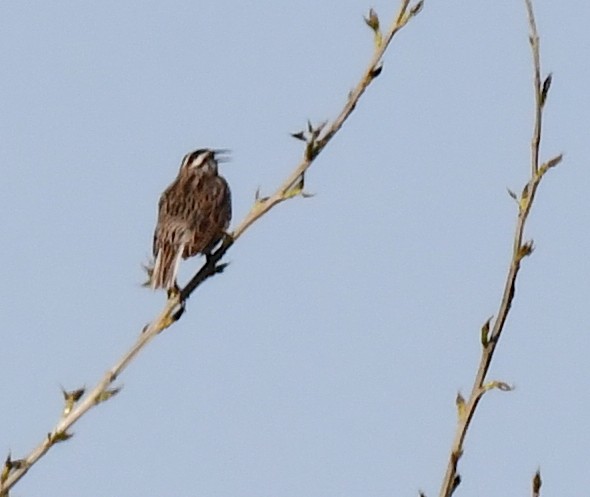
{"x": 194, "y": 212}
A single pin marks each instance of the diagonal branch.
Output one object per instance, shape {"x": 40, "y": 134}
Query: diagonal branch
{"x": 315, "y": 145}
{"x": 520, "y": 250}
{"x": 316, "y": 140}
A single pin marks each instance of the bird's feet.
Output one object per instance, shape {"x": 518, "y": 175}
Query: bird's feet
{"x": 179, "y": 312}
{"x": 173, "y": 291}
{"x": 227, "y": 238}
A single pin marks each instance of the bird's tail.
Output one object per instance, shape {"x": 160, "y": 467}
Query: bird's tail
{"x": 163, "y": 273}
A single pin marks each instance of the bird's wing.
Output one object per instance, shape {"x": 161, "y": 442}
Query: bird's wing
{"x": 170, "y": 228}
{"x": 210, "y": 217}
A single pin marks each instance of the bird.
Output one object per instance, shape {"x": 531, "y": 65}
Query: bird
{"x": 194, "y": 213}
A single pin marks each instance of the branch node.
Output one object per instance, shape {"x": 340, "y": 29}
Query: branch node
{"x": 533, "y": 41}
{"x": 461, "y": 408}
{"x": 456, "y": 483}
{"x": 372, "y": 20}
{"x": 297, "y": 189}
{"x": 70, "y": 399}
{"x": 257, "y": 198}
{"x": 523, "y": 202}
{"x": 485, "y": 332}
{"x": 525, "y": 250}
{"x": 499, "y": 385}
{"x": 6, "y": 469}
{"x": 376, "y": 71}
{"x": 545, "y": 89}
{"x": 513, "y": 195}
{"x": 58, "y": 437}
{"x": 300, "y": 135}
{"x": 549, "y": 164}
{"x": 107, "y": 394}
{"x": 417, "y": 8}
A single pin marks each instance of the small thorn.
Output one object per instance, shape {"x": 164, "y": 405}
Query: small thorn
{"x": 537, "y": 483}
{"x": 499, "y": 385}
{"x": 526, "y": 249}
{"x": 456, "y": 483}
{"x": 554, "y": 162}
{"x": 107, "y": 394}
{"x": 545, "y": 89}
{"x": 58, "y": 437}
{"x": 6, "y": 469}
{"x": 220, "y": 268}
{"x": 512, "y": 195}
{"x": 376, "y": 71}
{"x": 70, "y": 399}
{"x": 415, "y": 10}
{"x": 485, "y": 332}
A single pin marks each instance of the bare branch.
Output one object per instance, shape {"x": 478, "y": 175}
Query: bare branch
{"x": 540, "y": 96}
{"x": 316, "y": 140}
{"x": 490, "y": 335}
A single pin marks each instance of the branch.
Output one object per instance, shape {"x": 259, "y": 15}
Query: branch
{"x": 316, "y": 140}
{"x": 521, "y": 249}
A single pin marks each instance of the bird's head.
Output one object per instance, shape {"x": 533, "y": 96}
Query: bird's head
{"x": 203, "y": 160}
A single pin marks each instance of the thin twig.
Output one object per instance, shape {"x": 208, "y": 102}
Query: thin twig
{"x": 283, "y": 193}
{"x": 534, "y": 41}
{"x": 174, "y": 307}
{"x": 520, "y": 250}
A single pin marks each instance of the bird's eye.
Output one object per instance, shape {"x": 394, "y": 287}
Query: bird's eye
{"x": 197, "y": 156}
{"x": 195, "y": 159}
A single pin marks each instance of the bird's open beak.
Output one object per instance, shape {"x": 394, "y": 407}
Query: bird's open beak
{"x": 222, "y": 154}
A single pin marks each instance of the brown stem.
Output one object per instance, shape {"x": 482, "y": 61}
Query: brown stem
{"x": 520, "y": 250}
{"x": 175, "y": 305}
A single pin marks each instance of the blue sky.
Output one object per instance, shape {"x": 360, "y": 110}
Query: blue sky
{"x": 325, "y": 361}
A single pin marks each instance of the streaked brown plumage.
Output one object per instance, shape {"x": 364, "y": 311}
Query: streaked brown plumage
{"x": 194, "y": 212}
